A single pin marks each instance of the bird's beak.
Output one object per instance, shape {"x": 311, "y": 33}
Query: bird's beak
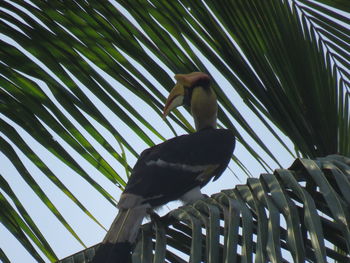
{"x": 175, "y": 99}
{"x": 176, "y": 96}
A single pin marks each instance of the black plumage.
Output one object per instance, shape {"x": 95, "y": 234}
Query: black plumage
{"x": 164, "y": 173}
{"x": 168, "y": 170}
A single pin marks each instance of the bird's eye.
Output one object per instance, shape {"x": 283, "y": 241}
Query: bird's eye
{"x": 203, "y": 82}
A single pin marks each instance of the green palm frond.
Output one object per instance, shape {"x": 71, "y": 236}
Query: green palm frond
{"x": 3, "y": 257}
{"x": 77, "y": 76}
{"x": 302, "y": 210}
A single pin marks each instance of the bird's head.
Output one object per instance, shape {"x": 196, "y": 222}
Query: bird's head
{"x": 194, "y": 90}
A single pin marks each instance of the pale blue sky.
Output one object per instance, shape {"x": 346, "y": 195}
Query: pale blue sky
{"x": 90, "y": 233}
{"x": 62, "y": 242}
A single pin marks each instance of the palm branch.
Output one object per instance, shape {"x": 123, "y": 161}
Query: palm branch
{"x": 298, "y": 214}
{"x": 62, "y": 62}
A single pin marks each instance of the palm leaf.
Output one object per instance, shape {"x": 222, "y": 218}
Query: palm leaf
{"x": 65, "y": 64}
{"x": 12, "y": 220}
{"x": 236, "y": 225}
{"x": 3, "y": 257}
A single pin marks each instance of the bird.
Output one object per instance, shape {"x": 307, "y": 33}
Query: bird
{"x": 176, "y": 169}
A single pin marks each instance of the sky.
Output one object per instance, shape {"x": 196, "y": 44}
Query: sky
{"x": 90, "y": 233}
{"x": 62, "y": 242}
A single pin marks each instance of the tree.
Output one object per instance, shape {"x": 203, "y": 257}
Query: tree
{"x": 287, "y": 60}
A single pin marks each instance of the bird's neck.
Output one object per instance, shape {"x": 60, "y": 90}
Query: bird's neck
{"x": 204, "y": 108}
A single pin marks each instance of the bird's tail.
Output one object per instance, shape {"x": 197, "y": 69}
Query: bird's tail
{"x": 117, "y": 244}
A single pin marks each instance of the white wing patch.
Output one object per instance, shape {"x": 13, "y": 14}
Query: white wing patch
{"x": 192, "y": 195}
{"x": 180, "y": 166}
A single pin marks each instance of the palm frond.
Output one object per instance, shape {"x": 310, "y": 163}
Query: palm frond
{"x": 68, "y": 69}
{"x": 298, "y": 214}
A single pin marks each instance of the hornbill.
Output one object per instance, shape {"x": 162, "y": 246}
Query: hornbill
{"x": 175, "y": 169}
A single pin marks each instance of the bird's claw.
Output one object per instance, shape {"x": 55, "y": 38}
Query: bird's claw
{"x": 153, "y": 215}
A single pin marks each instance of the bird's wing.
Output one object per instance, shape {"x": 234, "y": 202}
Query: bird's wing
{"x": 168, "y": 170}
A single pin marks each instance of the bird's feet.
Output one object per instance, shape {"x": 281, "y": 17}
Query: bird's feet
{"x": 152, "y": 215}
